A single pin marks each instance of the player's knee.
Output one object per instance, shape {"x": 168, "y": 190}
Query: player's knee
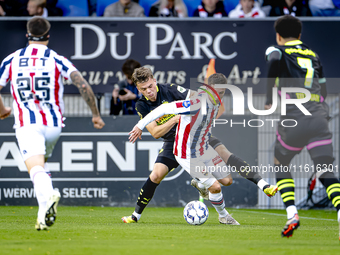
{"x": 156, "y": 177}
{"x": 215, "y": 188}
{"x": 226, "y": 181}
{"x": 158, "y": 173}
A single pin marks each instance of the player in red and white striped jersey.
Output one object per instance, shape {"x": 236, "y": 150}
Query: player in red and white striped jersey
{"x": 35, "y": 76}
{"x": 191, "y": 147}
{"x": 36, "y": 84}
{"x": 194, "y": 127}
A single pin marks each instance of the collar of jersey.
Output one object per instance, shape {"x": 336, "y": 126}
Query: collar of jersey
{"x": 157, "y": 91}
{"x": 37, "y": 45}
{"x": 291, "y": 43}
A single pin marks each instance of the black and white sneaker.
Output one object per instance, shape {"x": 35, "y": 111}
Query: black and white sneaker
{"x": 40, "y": 225}
{"x": 204, "y": 192}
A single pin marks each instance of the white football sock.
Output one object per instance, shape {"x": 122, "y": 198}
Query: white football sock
{"x": 291, "y": 211}
{"x": 47, "y": 169}
{"x": 217, "y": 201}
{"x": 261, "y": 184}
{"x": 43, "y": 188}
{"x": 339, "y": 216}
{"x": 137, "y": 215}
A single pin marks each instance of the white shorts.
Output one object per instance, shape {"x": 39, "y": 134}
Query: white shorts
{"x": 37, "y": 140}
{"x": 207, "y": 169}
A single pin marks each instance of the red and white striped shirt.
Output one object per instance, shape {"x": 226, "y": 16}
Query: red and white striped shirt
{"x": 35, "y": 75}
{"x": 194, "y": 128}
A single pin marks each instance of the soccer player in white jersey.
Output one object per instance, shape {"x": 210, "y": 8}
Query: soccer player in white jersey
{"x": 35, "y": 74}
{"x": 191, "y": 147}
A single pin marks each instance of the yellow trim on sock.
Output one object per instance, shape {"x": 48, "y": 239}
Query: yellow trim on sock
{"x": 332, "y": 186}
{"x": 336, "y": 204}
{"x": 284, "y": 181}
{"x": 286, "y": 186}
{"x": 335, "y": 199}
{"x": 288, "y": 198}
{"x": 332, "y": 191}
{"x": 286, "y": 194}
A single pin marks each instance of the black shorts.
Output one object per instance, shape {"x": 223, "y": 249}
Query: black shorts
{"x": 166, "y": 155}
{"x": 310, "y": 131}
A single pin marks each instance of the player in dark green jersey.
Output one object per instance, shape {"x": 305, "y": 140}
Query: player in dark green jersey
{"x": 291, "y": 63}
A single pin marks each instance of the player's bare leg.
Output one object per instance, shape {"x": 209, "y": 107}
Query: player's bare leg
{"x": 47, "y": 198}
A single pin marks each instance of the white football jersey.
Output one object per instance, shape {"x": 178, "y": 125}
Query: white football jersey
{"x": 194, "y": 128}
{"x": 35, "y": 75}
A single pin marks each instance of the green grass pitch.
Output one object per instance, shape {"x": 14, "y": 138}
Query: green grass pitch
{"x": 97, "y": 230}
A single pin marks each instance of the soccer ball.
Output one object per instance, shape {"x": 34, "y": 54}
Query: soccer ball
{"x": 196, "y": 213}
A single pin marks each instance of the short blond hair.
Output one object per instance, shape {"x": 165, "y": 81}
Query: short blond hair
{"x": 141, "y": 74}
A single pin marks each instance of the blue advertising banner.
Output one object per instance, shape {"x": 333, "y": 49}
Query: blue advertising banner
{"x": 175, "y": 49}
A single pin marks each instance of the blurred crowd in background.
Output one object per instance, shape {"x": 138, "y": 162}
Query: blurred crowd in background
{"x": 170, "y": 8}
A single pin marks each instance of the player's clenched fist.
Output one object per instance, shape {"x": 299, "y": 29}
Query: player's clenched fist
{"x": 98, "y": 123}
{"x": 5, "y": 113}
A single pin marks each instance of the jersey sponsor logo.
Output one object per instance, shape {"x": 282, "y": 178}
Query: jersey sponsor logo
{"x": 300, "y": 51}
{"x": 164, "y": 118}
{"x": 185, "y": 104}
{"x": 181, "y": 89}
{"x": 216, "y": 160}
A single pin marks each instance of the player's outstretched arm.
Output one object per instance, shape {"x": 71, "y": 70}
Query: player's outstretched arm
{"x": 176, "y": 107}
{"x": 4, "y": 111}
{"x": 87, "y": 93}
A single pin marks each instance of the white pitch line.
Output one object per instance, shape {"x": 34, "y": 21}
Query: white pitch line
{"x": 284, "y": 215}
